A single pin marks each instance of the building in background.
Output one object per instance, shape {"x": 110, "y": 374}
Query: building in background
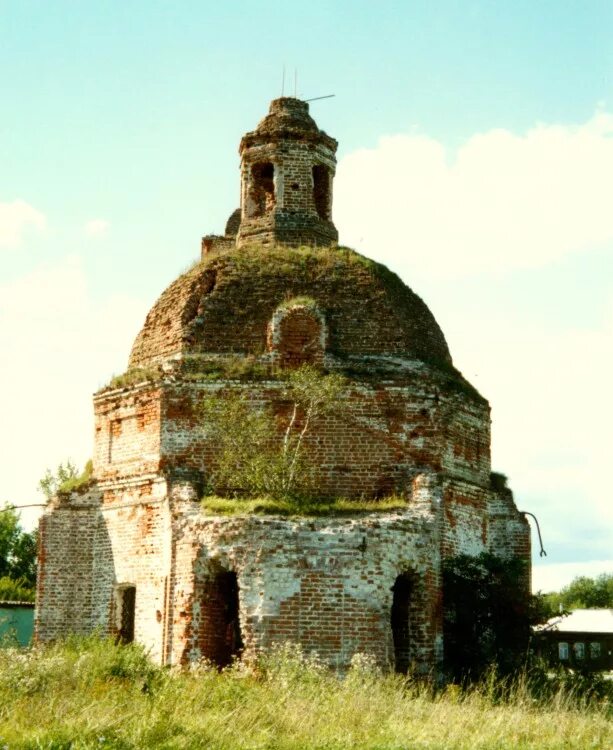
{"x": 16, "y": 623}
{"x": 581, "y": 640}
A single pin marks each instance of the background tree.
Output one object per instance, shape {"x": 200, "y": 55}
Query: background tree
{"x": 581, "y": 593}
{"x": 17, "y": 558}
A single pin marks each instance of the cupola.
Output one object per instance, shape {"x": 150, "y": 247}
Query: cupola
{"x": 287, "y": 169}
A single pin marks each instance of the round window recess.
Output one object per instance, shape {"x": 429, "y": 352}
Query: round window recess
{"x": 295, "y": 186}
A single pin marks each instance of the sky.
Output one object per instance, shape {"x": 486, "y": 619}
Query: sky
{"x": 475, "y": 160}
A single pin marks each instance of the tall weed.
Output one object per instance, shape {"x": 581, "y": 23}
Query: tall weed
{"x": 89, "y": 693}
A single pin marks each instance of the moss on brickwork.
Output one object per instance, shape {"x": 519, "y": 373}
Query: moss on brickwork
{"x": 232, "y": 367}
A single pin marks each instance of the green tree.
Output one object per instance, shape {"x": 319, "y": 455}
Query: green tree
{"x": 488, "y": 614}
{"x": 260, "y": 453}
{"x": 17, "y": 551}
{"x": 582, "y": 593}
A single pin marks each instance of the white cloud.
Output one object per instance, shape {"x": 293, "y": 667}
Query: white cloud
{"x": 552, "y": 411}
{"x": 506, "y": 202}
{"x": 58, "y": 346}
{"x": 96, "y": 227}
{"x": 16, "y": 218}
{"x": 503, "y": 201}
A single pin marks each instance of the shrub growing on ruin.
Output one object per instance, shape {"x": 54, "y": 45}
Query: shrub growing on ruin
{"x": 260, "y": 453}
{"x": 65, "y": 478}
{"x": 488, "y": 615}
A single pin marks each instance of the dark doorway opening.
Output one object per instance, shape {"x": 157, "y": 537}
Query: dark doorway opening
{"x": 220, "y": 635}
{"x": 127, "y": 611}
{"x": 401, "y": 622}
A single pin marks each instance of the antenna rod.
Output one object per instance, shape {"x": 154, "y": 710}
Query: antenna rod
{"x": 316, "y": 98}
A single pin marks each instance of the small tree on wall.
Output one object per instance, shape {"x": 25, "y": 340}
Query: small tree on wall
{"x": 258, "y": 453}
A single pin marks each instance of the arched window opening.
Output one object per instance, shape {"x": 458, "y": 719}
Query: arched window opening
{"x": 321, "y": 190}
{"x": 126, "y": 605}
{"x": 300, "y": 337}
{"x": 262, "y": 191}
{"x": 220, "y": 638}
{"x": 401, "y": 623}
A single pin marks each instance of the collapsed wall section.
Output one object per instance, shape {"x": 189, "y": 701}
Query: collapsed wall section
{"x": 508, "y": 528}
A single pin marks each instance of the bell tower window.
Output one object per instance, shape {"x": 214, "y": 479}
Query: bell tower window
{"x": 321, "y": 190}
{"x": 262, "y": 189}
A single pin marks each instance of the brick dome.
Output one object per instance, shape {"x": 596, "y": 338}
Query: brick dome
{"x": 226, "y": 305}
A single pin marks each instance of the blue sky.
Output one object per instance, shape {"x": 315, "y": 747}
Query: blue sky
{"x": 475, "y": 145}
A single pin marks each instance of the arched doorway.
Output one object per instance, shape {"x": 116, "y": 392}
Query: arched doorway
{"x": 400, "y": 621}
{"x": 219, "y": 633}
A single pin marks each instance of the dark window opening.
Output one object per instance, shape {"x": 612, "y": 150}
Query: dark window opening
{"x": 220, "y": 633}
{"x": 127, "y": 610}
{"x": 401, "y": 624}
{"x": 262, "y": 192}
{"x": 321, "y": 190}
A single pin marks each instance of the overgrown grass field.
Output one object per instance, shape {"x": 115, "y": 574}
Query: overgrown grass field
{"x": 93, "y": 694}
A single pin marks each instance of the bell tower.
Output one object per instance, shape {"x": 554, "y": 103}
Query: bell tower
{"x": 287, "y": 169}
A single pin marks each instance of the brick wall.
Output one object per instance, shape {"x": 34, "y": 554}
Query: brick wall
{"x": 323, "y": 583}
{"x": 380, "y": 437}
{"x": 90, "y": 546}
{"x": 127, "y": 432}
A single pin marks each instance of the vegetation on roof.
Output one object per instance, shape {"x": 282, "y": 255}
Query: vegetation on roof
{"x": 66, "y": 478}
{"x": 230, "y": 367}
{"x": 133, "y": 376}
{"x": 213, "y": 505}
{"x": 260, "y": 452}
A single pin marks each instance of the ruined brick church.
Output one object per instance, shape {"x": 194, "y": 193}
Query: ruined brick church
{"x": 132, "y": 553}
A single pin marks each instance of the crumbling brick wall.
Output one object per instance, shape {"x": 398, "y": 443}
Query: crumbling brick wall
{"x": 325, "y": 584}
{"x": 93, "y": 544}
{"x": 378, "y": 437}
